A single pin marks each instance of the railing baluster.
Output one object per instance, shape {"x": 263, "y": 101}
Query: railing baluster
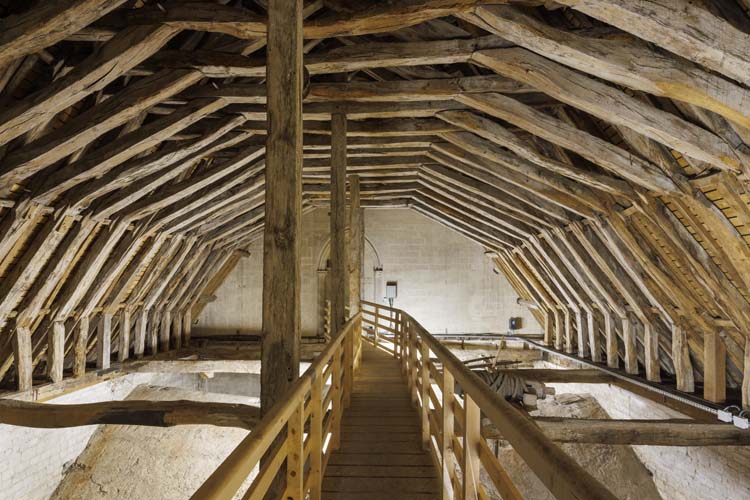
{"x": 295, "y": 442}
{"x": 358, "y": 343}
{"x": 316, "y": 434}
{"x": 377, "y": 324}
{"x": 400, "y": 338}
{"x": 336, "y": 400}
{"x": 406, "y": 356}
{"x": 425, "y": 394}
{"x": 446, "y": 446}
{"x": 413, "y": 363}
{"x": 472, "y": 435}
{"x": 559, "y": 472}
{"x": 348, "y": 369}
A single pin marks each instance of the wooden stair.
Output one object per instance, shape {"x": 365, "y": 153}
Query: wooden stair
{"x": 381, "y": 455}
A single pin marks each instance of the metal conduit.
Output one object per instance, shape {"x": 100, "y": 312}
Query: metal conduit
{"x": 614, "y": 373}
{"x": 699, "y": 404}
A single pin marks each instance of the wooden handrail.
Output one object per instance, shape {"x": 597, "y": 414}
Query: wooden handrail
{"x": 564, "y": 478}
{"x": 451, "y": 425}
{"x": 290, "y": 413}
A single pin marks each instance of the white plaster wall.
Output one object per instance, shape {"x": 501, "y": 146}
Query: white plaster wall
{"x": 444, "y": 280}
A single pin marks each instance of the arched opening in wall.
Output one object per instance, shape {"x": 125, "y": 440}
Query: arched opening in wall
{"x": 371, "y": 284}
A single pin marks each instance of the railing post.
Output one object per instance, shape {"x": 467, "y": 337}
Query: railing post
{"x": 357, "y": 334}
{"x": 336, "y": 400}
{"x": 295, "y": 453}
{"x": 425, "y": 375}
{"x": 377, "y": 323}
{"x": 403, "y": 321}
{"x": 446, "y": 446}
{"x": 316, "y": 434}
{"x": 472, "y": 435}
{"x": 398, "y": 341}
{"x": 405, "y": 352}
{"x": 359, "y": 339}
{"x": 413, "y": 363}
{"x": 348, "y": 345}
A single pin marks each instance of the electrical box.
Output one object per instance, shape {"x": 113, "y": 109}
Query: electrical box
{"x": 516, "y": 323}
{"x": 391, "y": 290}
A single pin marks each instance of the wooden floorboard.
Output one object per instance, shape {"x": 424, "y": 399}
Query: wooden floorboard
{"x": 381, "y": 455}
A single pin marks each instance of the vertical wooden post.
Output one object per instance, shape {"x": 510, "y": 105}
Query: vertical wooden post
{"x": 336, "y": 400}
{"x": 472, "y": 435}
{"x": 595, "y": 350}
{"x": 177, "y": 329}
{"x": 316, "y": 435}
{"x": 123, "y": 351}
{"x": 413, "y": 363}
{"x": 104, "y": 341}
{"x": 339, "y": 280}
{"x": 446, "y": 445}
{"x": 683, "y": 368}
{"x": 628, "y": 337}
{"x": 322, "y": 301}
{"x": 424, "y": 370}
{"x": 613, "y": 358}
{"x": 568, "y": 330}
{"x": 295, "y": 454}
{"x": 56, "y": 351}
{"x": 582, "y": 333}
{"x": 377, "y": 322}
{"x": 549, "y": 326}
{"x": 651, "y": 352}
{"x": 187, "y": 326}
{"x": 405, "y": 351}
{"x": 559, "y": 329}
{"x": 402, "y": 340}
{"x": 715, "y": 367}
{"x": 281, "y": 257}
{"x": 354, "y": 260}
{"x": 22, "y": 356}
{"x": 356, "y": 245}
{"x": 746, "y": 377}
{"x": 153, "y": 332}
{"x": 141, "y": 323}
{"x": 79, "y": 349}
{"x": 357, "y": 334}
{"x": 348, "y": 347}
{"x": 166, "y": 324}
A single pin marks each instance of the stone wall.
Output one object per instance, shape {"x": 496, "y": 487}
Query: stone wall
{"x": 444, "y": 279}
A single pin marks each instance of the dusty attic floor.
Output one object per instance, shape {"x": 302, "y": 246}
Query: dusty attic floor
{"x": 125, "y": 462}
{"x": 616, "y": 466}
{"x": 129, "y": 462}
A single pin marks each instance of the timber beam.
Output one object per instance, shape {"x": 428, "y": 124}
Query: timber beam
{"x": 678, "y": 432}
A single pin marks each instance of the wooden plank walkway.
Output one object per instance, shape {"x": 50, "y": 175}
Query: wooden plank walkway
{"x": 381, "y": 456}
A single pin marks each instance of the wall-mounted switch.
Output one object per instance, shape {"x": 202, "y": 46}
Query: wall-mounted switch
{"x": 515, "y": 323}
{"x": 391, "y": 289}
